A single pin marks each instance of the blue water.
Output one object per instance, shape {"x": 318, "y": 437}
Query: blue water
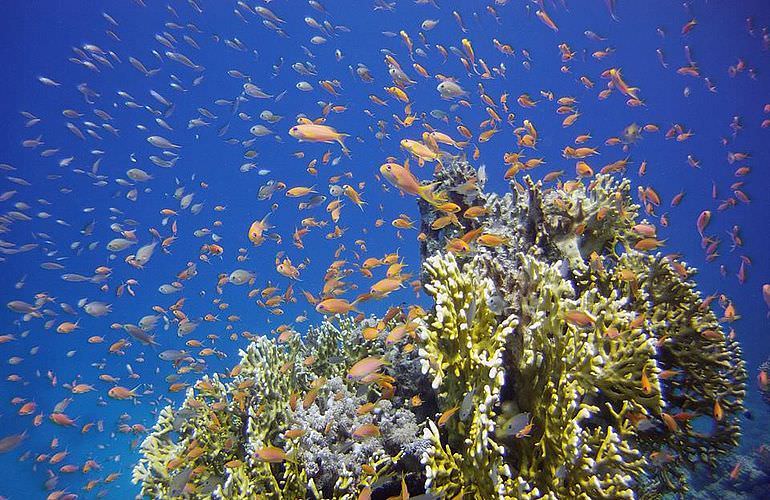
{"x": 36, "y": 40}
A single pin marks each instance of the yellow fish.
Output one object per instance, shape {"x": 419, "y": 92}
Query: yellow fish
{"x": 257, "y": 230}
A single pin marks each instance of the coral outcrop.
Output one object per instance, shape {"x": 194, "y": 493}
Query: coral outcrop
{"x": 562, "y": 358}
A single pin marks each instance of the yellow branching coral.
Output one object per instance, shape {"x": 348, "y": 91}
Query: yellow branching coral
{"x": 463, "y": 344}
{"x": 701, "y": 374}
{"x": 568, "y": 375}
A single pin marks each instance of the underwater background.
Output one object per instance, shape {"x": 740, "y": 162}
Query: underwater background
{"x": 65, "y": 187}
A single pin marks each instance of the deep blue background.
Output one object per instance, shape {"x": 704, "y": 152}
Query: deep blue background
{"x": 36, "y": 40}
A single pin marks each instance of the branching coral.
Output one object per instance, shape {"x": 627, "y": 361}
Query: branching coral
{"x": 705, "y": 375}
{"x": 579, "y": 386}
{"x": 463, "y": 345}
{"x": 208, "y": 445}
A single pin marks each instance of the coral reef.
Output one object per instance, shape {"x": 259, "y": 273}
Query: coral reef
{"x": 614, "y": 356}
{"x": 561, "y": 359}
{"x": 208, "y": 445}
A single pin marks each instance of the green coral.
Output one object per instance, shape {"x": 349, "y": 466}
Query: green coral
{"x": 707, "y": 367}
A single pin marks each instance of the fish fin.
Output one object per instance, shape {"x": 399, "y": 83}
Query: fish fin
{"x": 345, "y": 149}
{"x": 355, "y": 303}
{"x": 264, "y": 222}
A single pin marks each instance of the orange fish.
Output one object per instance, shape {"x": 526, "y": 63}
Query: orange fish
{"x": 646, "y": 386}
{"x": 670, "y": 422}
{"x": 366, "y": 431}
{"x": 719, "y": 413}
{"x": 119, "y": 392}
{"x": 402, "y": 178}
{"x": 310, "y": 132}
{"x": 336, "y": 306}
{"x": 366, "y": 366}
{"x": 736, "y": 471}
{"x": 271, "y": 454}
{"x": 445, "y": 416}
{"x": 579, "y": 318}
{"x": 543, "y": 16}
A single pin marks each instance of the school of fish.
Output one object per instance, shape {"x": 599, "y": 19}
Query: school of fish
{"x": 124, "y": 255}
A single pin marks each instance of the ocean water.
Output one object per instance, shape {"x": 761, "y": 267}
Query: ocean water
{"x": 73, "y": 189}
